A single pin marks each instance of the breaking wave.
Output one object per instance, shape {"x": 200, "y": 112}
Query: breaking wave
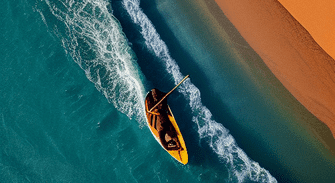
{"x": 222, "y": 143}
{"x": 94, "y": 39}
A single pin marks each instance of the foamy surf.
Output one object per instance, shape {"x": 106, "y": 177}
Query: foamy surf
{"x": 222, "y": 143}
{"x": 94, "y": 39}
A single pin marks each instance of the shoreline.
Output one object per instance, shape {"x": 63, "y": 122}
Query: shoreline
{"x": 289, "y": 51}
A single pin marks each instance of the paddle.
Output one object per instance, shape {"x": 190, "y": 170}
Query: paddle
{"x": 169, "y": 93}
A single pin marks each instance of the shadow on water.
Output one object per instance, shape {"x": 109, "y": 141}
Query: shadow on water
{"x": 150, "y": 65}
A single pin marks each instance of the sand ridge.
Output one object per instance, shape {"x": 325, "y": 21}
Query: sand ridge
{"x": 289, "y": 51}
{"x": 318, "y": 17}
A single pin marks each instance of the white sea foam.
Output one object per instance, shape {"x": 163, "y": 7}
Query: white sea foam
{"x": 222, "y": 143}
{"x": 94, "y": 39}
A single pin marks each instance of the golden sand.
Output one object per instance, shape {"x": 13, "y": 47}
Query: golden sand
{"x": 289, "y": 51}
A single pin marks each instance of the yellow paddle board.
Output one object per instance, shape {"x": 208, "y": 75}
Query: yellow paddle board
{"x": 179, "y": 154}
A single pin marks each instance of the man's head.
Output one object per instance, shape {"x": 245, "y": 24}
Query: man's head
{"x": 171, "y": 139}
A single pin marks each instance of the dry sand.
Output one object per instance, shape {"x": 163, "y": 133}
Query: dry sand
{"x": 289, "y": 51}
{"x": 318, "y": 17}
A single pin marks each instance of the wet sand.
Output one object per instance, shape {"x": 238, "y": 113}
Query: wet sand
{"x": 289, "y": 51}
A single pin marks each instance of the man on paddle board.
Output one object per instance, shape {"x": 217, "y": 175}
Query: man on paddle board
{"x": 166, "y": 131}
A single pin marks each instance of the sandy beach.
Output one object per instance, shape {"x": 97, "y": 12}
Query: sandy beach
{"x": 289, "y": 51}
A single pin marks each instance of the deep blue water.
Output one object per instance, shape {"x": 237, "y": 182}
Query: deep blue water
{"x": 74, "y": 76}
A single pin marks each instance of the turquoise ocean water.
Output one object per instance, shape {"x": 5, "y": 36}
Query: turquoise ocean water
{"x": 74, "y": 75}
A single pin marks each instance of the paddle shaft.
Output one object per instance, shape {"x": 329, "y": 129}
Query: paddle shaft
{"x": 169, "y": 93}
